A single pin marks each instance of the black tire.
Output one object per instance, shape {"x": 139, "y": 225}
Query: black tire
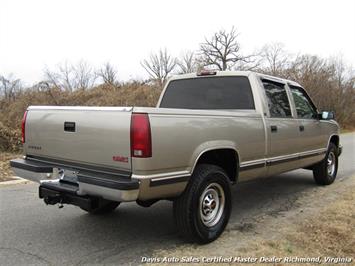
{"x": 102, "y": 207}
{"x": 323, "y": 172}
{"x": 188, "y": 208}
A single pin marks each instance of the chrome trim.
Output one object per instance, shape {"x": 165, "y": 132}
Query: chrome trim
{"x": 249, "y": 165}
{"x": 166, "y": 178}
{"x": 283, "y": 158}
{"x": 107, "y": 193}
{"x": 33, "y": 176}
{"x": 313, "y": 152}
{"x": 162, "y": 176}
{"x": 296, "y": 156}
{"x": 80, "y": 166}
{"x": 211, "y": 206}
{"x": 331, "y": 167}
{"x": 169, "y": 181}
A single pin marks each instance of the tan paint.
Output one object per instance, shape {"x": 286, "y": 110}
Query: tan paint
{"x": 179, "y": 138}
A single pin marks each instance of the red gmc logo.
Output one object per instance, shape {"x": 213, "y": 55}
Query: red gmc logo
{"x": 120, "y": 159}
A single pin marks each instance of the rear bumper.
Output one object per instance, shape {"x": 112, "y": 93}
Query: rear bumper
{"x": 87, "y": 183}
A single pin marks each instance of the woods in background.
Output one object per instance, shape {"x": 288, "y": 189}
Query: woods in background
{"x": 330, "y": 82}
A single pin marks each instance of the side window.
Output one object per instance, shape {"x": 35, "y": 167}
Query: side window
{"x": 304, "y": 106}
{"x": 276, "y": 95}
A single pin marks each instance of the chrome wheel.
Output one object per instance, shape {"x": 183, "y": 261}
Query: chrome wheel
{"x": 212, "y": 203}
{"x": 331, "y": 163}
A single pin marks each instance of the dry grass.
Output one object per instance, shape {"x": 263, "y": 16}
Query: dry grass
{"x": 327, "y": 233}
{"x": 347, "y": 130}
{"x": 5, "y": 170}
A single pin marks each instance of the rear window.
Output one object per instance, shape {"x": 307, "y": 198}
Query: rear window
{"x": 209, "y": 93}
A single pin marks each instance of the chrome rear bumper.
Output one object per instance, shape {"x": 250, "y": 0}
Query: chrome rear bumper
{"x": 108, "y": 187}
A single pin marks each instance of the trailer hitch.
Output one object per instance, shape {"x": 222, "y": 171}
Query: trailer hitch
{"x": 52, "y": 200}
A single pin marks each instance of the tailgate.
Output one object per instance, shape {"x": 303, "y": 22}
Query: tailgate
{"x": 95, "y": 136}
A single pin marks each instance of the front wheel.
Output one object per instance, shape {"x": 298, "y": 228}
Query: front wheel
{"x": 203, "y": 210}
{"x": 325, "y": 172}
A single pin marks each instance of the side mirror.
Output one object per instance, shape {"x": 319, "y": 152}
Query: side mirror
{"x": 326, "y": 115}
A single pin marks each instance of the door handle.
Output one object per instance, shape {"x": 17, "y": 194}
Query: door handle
{"x": 301, "y": 127}
{"x": 273, "y": 128}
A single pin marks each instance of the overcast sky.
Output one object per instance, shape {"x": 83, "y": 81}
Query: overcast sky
{"x": 39, "y": 33}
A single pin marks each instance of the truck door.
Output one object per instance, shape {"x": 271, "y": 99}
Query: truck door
{"x": 281, "y": 127}
{"x": 314, "y": 139}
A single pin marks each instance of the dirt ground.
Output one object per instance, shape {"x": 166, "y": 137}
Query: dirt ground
{"x": 320, "y": 224}
{"x": 5, "y": 170}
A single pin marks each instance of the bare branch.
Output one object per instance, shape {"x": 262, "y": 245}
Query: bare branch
{"x": 9, "y": 87}
{"x": 222, "y": 50}
{"x": 159, "y": 66}
{"x": 188, "y": 63}
{"x": 108, "y": 74}
{"x": 70, "y": 77}
{"x": 275, "y": 59}
{"x": 84, "y": 76}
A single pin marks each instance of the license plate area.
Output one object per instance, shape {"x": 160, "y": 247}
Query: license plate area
{"x": 66, "y": 174}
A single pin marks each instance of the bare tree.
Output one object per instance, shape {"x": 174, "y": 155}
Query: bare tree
{"x": 159, "y": 66}
{"x": 275, "y": 58}
{"x": 108, "y": 74}
{"x": 222, "y": 50}
{"x": 66, "y": 74}
{"x": 344, "y": 74}
{"x": 62, "y": 78}
{"x": 188, "y": 63}
{"x": 69, "y": 77}
{"x": 9, "y": 87}
{"x": 84, "y": 75}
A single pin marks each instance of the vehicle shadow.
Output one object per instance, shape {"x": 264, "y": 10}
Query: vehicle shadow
{"x": 132, "y": 231}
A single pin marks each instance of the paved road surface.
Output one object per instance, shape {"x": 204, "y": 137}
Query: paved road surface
{"x": 33, "y": 233}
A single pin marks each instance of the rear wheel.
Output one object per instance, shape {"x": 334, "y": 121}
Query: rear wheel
{"x": 102, "y": 207}
{"x": 203, "y": 210}
{"x": 325, "y": 172}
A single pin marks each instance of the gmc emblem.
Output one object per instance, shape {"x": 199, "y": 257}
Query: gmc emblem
{"x": 120, "y": 159}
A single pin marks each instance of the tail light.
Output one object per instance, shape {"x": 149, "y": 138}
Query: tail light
{"x": 141, "y": 140}
{"x": 23, "y": 127}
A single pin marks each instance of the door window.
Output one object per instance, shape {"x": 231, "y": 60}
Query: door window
{"x": 278, "y": 102}
{"x": 304, "y": 106}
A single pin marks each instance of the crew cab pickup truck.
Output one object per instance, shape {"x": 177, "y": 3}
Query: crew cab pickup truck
{"x": 209, "y": 130}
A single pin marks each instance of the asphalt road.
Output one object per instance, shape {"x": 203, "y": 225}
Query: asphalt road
{"x": 33, "y": 233}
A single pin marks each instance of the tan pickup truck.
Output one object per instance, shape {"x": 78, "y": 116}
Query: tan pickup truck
{"x": 209, "y": 130}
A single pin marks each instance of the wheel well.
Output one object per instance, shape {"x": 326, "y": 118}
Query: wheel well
{"x": 335, "y": 139}
{"x": 224, "y": 158}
